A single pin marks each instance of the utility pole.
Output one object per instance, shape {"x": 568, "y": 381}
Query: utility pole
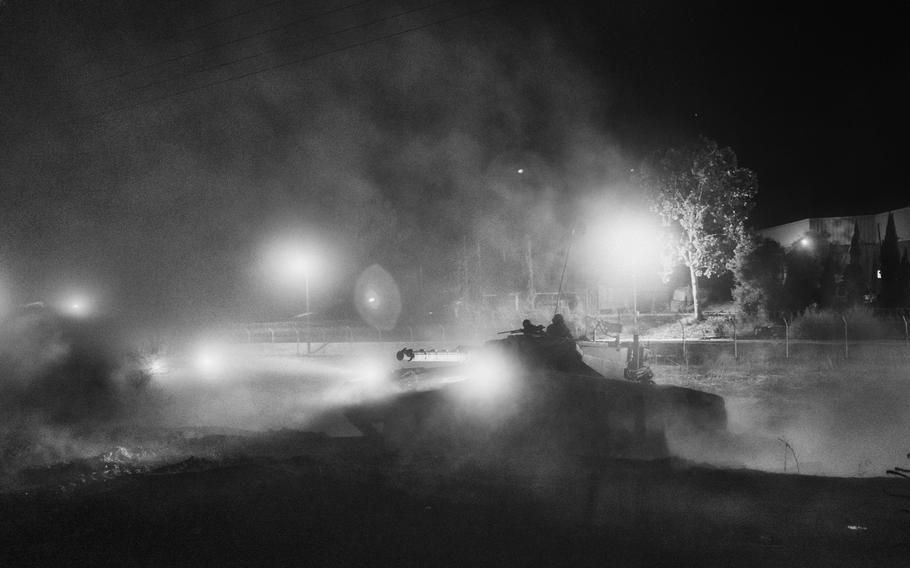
{"x": 479, "y": 291}
{"x": 529, "y": 259}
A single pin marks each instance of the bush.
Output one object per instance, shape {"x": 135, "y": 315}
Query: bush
{"x": 758, "y": 288}
{"x": 814, "y": 323}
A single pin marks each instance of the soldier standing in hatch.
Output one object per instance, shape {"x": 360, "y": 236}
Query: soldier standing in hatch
{"x": 559, "y": 328}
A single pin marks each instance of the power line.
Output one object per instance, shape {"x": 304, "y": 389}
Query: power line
{"x": 67, "y": 41}
{"x": 88, "y": 120}
{"x": 199, "y": 27}
{"x": 302, "y": 60}
{"x": 224, "y": 19}
{"x": 214, "y": 47}
{"x": 275, "y": 50}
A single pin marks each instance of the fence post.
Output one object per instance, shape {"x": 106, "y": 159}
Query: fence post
{"x": 297, "y": 340}
{"x": 846, "y": 342}
{"x": 685, "y": 354}
{"x": 350, "y": 334}
{"x": 906, "y": 331}
{"x": 786, "y": 337}
{"x": 272, "y": 334}
{"x": 411, "y": 333}
{"x": 442, "y": 330}
{"x": 249, "y": 335}
{"x": 735, "y": 344}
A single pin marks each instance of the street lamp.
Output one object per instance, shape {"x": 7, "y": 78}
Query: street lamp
{"x": 634, "y": 249}
{"x": 291, "y": 264}
{"x": 631, "y": 249}
{"x": 300, "y": 265}
{"x": 77, "y": 305}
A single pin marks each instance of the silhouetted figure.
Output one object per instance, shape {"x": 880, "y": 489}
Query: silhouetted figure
{"x": 529, "y": 328}
{"x": 559, "y": 328}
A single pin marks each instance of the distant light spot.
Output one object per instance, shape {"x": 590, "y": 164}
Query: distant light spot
{"x": 521, "y": 170}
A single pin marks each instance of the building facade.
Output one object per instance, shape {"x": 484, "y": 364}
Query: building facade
{"x": 837, "y": 232}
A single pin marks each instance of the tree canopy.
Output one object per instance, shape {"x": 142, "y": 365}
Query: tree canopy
{"x": 704, "y": 198}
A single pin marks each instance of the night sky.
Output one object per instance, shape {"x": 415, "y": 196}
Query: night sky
{"x": 150, "y": 149}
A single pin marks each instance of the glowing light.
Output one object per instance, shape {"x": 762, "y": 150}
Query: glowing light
{"x": 209, "y": 360}
{"x": 290, "y": 265}
{"x": 630, "y": 242}
{"x": 372, "y": 374}
{"x": 521, "y": 170}
{"x": 79, "y": 306}
{"x": 156, "y": 366}
{"x": 490, "y": 376}
{"x": 291, "y": 262}
{"x": 806, "y": 242}
{"x": 377, "y": 298}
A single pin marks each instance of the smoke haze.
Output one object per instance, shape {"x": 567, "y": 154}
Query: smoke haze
{"x": 403, "y": 153}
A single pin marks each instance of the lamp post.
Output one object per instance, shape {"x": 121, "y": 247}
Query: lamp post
{"x": 632, "y": 251}
{"x": 291, "y": 263}
{"x": 636, "y": 351}
{"x": 302, "y": 265}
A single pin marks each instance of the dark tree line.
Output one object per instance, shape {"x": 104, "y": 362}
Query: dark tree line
{"x": 895, "y": 270}
{"x": 772, "y": 279}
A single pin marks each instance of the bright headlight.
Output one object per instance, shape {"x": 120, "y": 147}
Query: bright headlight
{"x": 489, "y": 376}
{"x": 209, "y": 360}
{"x": 156, "y": 366}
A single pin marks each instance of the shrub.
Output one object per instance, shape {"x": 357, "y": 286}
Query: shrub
{"x": 758, "y": 287}
{"x": 814, "y": 323}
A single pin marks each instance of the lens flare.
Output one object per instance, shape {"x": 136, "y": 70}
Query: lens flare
{"x": 377, "y": 298}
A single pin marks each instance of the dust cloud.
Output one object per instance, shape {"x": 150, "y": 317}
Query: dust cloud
{"x": 831, "y": 416}
{"x": 72, "y": 389}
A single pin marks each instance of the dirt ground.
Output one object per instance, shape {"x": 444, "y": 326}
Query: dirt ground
{"x": 291, "y": 498}
{"x": 266, "y": 489}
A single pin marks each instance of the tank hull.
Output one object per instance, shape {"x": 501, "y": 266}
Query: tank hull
{"x": 543, "y": 411}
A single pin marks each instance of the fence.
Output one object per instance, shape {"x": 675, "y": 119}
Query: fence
{"x": 886, "y": 338}
{"x": 288, "y": 332}
{"x": 783, "y": 351}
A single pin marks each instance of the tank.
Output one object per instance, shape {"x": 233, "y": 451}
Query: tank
{"x": 528, "y": 392}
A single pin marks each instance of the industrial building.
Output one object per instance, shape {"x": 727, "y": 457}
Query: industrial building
{"x": 837, "y": 232}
